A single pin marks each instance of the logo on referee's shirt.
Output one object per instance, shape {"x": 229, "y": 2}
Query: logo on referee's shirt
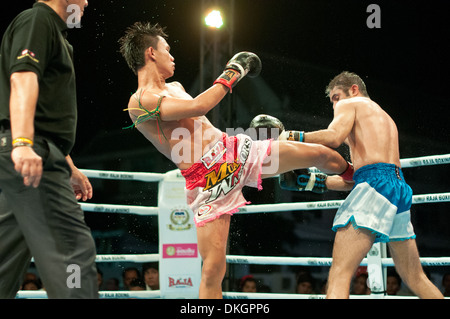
{"x": 27, "y": 53}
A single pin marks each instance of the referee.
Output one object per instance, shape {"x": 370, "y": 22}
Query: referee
{"x": 39, "y": 185}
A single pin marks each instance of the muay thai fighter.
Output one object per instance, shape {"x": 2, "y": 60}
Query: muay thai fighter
{"x": 216, "y": 166}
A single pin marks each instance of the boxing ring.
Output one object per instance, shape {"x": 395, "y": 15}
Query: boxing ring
{"x": 180, "y": 263}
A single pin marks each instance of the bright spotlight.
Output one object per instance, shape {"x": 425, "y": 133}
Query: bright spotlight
{"x": 214, "y": 19}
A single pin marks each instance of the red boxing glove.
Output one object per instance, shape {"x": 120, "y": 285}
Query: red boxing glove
{"x": 347, "y": 175}
{"x": 240, "y": 65}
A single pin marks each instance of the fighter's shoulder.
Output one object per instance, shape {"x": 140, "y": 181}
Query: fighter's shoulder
{"x": 175, "y": 84}
{"x": 353, "y": 102}
{"x": 143, "y": 99}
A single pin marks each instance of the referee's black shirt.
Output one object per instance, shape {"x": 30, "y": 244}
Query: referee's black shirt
{"x": 36, "y": 41}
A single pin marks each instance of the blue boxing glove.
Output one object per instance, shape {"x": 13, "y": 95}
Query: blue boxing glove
{"x": 240, "y": 65}
{"x": 302, "y": 180}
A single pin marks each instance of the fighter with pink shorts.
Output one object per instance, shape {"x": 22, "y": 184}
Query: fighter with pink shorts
{"x": 214, "y": 183}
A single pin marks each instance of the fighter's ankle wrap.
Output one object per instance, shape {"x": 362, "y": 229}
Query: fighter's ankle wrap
{"x": 347, "y": 175}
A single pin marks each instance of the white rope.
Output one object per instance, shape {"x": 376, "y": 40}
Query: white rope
{"x": 122, "y": 209}
{"x": 250, "y": 209}
{"x": 142, "y": 258}
{"x": 117, "y": 294}
{"x": 425, "y": 161}
{"x": 269, "y": 260}
{"x": 257, "y": 295}
{"x": 321, "y": 261}
{"x": 124, "y": 176}
{"x": 156, "y": 177}
{"x": 156, "y": 294}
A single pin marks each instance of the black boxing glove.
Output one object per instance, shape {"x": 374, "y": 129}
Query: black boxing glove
{"x": 240, "y": 65}
{"x": 302, "y": 180}
{"x": 264, "y": 124}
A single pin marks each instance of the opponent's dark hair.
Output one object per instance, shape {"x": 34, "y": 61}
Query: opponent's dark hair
{"x": 344, "y": 81}
{"x": 138, "y": 38}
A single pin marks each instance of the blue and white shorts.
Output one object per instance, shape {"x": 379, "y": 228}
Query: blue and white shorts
{"x": 380, "y": 201}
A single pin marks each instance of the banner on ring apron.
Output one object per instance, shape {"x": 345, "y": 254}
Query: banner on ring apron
{"x": 179, "y": 261}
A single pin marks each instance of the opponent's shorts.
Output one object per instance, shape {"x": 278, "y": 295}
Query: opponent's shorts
{"x": 380, "y": 201}
{"x": 214, "y": 183}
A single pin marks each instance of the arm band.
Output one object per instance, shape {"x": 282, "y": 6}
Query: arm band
{"x": 297, "y": 136}
{"x": 22, "y": 141}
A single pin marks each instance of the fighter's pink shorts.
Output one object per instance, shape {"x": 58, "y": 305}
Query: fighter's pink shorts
{"x": 214, "y": 183}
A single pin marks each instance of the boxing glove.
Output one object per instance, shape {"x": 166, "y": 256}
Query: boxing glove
{"x": 264, "y": 124}
{"x": 347, "y": 175}
{"x": 303, "y": 180}
{"x": 240, "y": 65}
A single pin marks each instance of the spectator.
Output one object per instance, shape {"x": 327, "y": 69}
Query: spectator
{"x": 151, "y": 276}
{"x": 128, "y": 275}
{"x": 137, "y": 284}
{"x": 305, "y": 284}
{"x": 247, "y": 284}
{"x": 359, "y": 286}
{"x": 112, "y": 284}
{"x": 393, "y": 283}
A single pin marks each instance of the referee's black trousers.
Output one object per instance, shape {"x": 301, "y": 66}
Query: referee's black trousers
{"x": 45, "y": 223}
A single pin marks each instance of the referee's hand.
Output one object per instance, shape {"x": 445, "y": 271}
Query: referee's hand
{"x": 28, "y": 164}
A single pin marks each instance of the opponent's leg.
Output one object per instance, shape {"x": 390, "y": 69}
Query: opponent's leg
{"x": 350, "y": 247}
{"x": 287, "y": 155}
{"x": 212, "y": 242}
{"x": 407, "y": 263}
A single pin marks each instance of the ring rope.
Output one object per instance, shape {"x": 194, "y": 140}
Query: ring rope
{"x": 322, "y": 261}
{"x": 118, "y": 294}
{"x": 137, "y": 258}
{"x": 156, "y": 177}
{"x": 250, "y": 209}
{"x": 122, "y": 209}
{"x": 124, "y": 176}
{"x": 155, "y": 294}
{"x": 271, "y": 260}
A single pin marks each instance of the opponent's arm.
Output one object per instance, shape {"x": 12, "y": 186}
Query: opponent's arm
{"x": 22, "y": 105}
{"x": 339, "y": 128}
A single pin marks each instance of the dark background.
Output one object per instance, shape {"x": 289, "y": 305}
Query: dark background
{"x": 302, "y": 45}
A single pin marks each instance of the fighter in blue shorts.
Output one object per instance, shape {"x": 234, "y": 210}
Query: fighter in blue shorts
{"x": 380, "y": 202}
{"x": 378, "y": 207}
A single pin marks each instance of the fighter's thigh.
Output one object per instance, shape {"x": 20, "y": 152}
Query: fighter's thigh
{"x": 351, "y": 245}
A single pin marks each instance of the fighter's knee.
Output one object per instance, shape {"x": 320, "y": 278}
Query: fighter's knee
{"x": 213, "y": 270}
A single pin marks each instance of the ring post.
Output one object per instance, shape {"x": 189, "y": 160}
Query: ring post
{"x": 179, "y": 261}
{"x": 376, "y": 271}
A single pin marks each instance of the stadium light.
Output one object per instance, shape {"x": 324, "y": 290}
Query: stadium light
{"x": 214, "y": 19}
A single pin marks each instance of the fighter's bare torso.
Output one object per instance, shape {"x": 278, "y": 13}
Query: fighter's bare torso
{"x": 183, "y": 141}
{"x": 374, "y": 136}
